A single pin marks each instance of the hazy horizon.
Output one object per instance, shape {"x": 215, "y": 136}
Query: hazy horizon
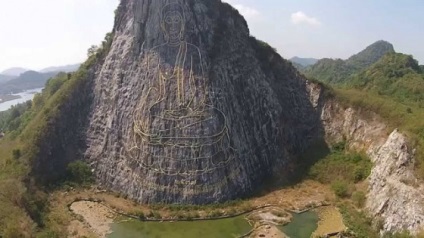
{"x": 54, "y": 33}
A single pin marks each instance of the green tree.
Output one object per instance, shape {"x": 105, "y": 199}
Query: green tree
{"x": 92, "y": 50}
{"x": 79, "y": 172}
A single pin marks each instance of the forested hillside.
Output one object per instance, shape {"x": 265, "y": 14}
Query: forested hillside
{"x": 337, "y": 71}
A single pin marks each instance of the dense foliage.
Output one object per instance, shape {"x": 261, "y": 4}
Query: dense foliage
{"x": 370, "y": 55}
{"x": 337, "y": 71}
{"x": 79, "y": 173}
{"x": 15, "y": 118}
{"x": 341, "y": 169}
{"x": 333, "y": 71}
{"x": 396, "y": 75}
{"x": 340, "y": 165}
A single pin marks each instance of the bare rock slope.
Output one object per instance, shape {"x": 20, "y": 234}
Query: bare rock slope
{"x": 189, "y": 108}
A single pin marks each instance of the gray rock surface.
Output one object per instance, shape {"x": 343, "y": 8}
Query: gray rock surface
{"x": 188, "y": 108}
{"x": 395, "y": 196}
{"x": 394, "y": 192}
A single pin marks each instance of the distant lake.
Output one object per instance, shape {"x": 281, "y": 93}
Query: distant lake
{"x": 24, "y": 96}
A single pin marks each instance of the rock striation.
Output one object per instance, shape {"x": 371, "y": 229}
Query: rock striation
{"x": 189, "y": 108}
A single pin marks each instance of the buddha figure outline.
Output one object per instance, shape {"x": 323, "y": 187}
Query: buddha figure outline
{"x": 176, "y": 131}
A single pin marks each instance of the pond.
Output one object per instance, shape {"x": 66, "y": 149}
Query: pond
{"x": 231, "y": 227}
{"x": 22, "y": 97}
{"x": 302, "y": 225}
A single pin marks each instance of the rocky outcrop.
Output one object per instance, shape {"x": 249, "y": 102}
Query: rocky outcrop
{"x": 395, "y": 196}
{"x": 394, "y": 192}
{"x": 188, "y": 108}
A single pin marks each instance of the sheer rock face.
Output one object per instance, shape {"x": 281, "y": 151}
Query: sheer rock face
{"x": 189, "y": 108}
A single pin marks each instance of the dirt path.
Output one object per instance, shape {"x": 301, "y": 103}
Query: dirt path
{"x": 98, "y": 217}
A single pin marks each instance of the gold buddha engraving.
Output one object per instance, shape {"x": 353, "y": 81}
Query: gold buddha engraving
{"x": 176, "y": 131}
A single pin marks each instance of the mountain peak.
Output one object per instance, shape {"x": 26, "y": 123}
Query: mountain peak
{"x": 338, "y": 71}
{"x": 371, "y": 54}
{"x": 15, "y": 71}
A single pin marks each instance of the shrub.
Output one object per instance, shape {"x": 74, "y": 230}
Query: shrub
{"x": 16, "y": 154}
{"x": 339, "y": 147}
{"x": 359, "y": 174}
{"x": 140, "y": 215}
{"x": 358, "y": 222}
{"x": 157, "y": 215}
{"x": 340, "y": 188}
{"x": 359, "y": 198}
{"x": 79, "y": 172}
{"x": 35, "y": 203}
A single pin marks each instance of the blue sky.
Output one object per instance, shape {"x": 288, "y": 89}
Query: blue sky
{"x": 336, "y": 28}
{"x": 42, "y": 33}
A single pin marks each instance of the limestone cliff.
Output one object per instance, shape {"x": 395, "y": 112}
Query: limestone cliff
{"x": 394, "y": 193}
{"x": 189, "y": 108}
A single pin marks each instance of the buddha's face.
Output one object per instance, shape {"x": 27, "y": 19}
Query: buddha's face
{"x": 173, "y": 24}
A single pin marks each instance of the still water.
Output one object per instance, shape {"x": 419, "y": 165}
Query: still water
{"x": 223, "y": 228}
{"x": 302, "y": 225}
{"x": 24, "y": 96}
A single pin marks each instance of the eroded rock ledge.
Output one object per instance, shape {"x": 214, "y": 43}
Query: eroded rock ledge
{"x": 395, "y": 196}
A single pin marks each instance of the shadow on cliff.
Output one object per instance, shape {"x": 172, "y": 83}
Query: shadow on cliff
{"x": 299, "y": 170}
{"x": 302, "y": 133}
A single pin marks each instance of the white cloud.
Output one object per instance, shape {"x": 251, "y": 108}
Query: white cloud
{"x": 244, "y": 10}
{"x": 301, "y": 18}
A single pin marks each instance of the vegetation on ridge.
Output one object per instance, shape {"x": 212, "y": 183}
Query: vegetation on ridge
{"x": 23, "y": 203}
{"x": 337, "y": 71}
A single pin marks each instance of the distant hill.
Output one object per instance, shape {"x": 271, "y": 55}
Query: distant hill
{"x": 303, "y": 61}
{"x": 29, "y": 79}
{"x": 16, "y": 71}
{"x": 25, "y": 81}
{"x": 5, "y": 78}
{"x": 337, "y": 71}
{"x": 65, "y": 68}
{"x": 298, "y": 66}
{"x": 370, "y": 55}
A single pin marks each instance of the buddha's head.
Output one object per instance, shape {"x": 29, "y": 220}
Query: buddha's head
{"x": 173, "y": 22}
